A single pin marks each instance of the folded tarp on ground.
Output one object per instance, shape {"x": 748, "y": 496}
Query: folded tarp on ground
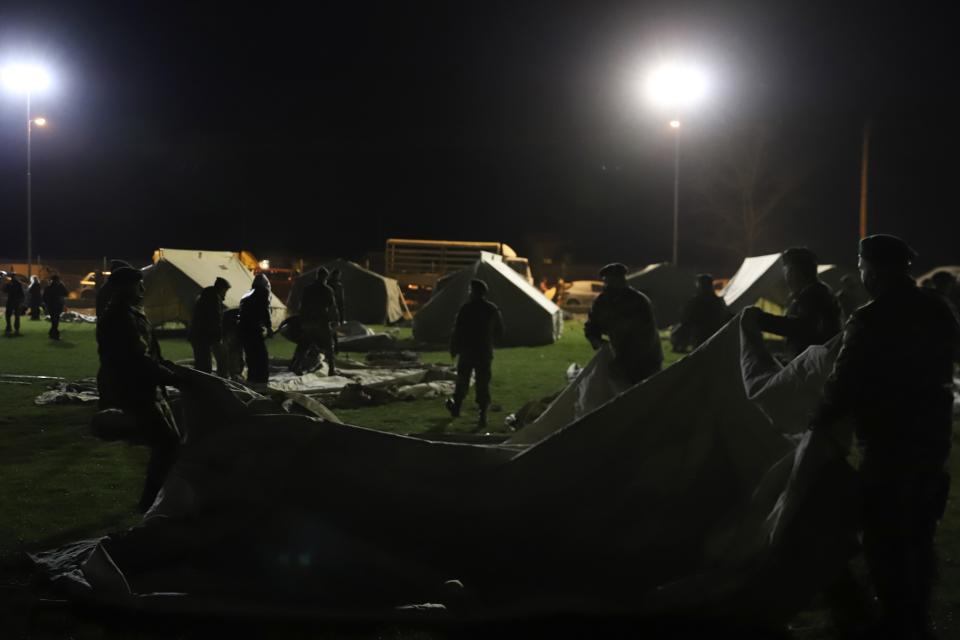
{"x": 670, "y": 498}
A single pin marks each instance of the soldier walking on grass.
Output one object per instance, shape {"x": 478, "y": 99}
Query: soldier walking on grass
{"x": 35, "y": 297}
{"x": 255, "y": 327}
{"x": 55, "y": 300}
{"x": 318, "y": 315}
{"x": 13, "y": 289}
{"x": 477, "y": 327}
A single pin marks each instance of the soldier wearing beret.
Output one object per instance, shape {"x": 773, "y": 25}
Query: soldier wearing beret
{"x": 206, "y": 327}
{"x": 477, "y": 326}
{"x": 318, "y": 317}
{"x": 814, "y": 315}
{"x": 133, "y": 374}
{"x": 255, "y": 327}
{"x": 626, "y": 317}
{"x": 893, "y": 378}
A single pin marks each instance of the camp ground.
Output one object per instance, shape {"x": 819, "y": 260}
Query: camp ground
{"x": 175, "y": 279}
{"x": 529, "y": 319}
{"x": 369, "y": 297}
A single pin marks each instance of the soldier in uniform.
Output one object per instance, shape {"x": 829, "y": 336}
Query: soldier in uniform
{"x": 337, "y": 286}
{"x": 318, "y": 311}
{"x": 206, "y": 326}
{"x": 477, "y": 326}
{"x": 54, "y": 299}
{"x": 701, "y": 317}
{"x": 35, "y": 297}
{"x": 105, "y": 290}
{"x": 255, "y": 327}
{"x": 813, "y": 316}
{"x": 15, "y": 297}
{"x": 893, "y": 378}
{"x": 626, "y": 317}
{"x": 132, "y": 368}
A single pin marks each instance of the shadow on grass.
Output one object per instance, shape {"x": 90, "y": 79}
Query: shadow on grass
{"x": 62, "y": 344}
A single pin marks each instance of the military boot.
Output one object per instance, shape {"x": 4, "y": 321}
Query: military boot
{"x": 453, "y": 407}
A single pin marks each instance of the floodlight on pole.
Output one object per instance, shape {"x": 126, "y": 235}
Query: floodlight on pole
{"x": 676, "y": 87}
{"x": 27, "y": 79}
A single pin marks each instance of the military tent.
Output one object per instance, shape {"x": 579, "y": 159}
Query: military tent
{"x": 177, "y": 276}
{"x": 954, "y": 270}
{"x": 368, "y": 296}
{"x": 761, "y": 278}
{"x": 528, "y": 317}
{"x": 667, "y": 286}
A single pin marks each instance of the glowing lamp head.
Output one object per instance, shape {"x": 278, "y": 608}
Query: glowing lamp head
{"x": 676, "y": 86}
{"x": 40, "y": 122}
{"x": 25, "y": 78}
{"x": 674, "y": 124}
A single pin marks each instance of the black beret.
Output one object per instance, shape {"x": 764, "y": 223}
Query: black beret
{"x": 322, "y": 273}
{"x": 614, "y": 269}
{"x": 886, "y": 250}
{"x": 800, "y": 257}
{"x": 119, "y": 264}
{"x": 125, "y": 276}
{"x": 222, "y": 283}
{"x": 705, "y": 279}
{"x": 479, "y": 285}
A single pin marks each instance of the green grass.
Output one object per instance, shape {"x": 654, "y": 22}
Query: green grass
{"x": 59, "y": 484}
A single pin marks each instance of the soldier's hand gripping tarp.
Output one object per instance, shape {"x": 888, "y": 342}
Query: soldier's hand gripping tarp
{"x": 662, "y": 500}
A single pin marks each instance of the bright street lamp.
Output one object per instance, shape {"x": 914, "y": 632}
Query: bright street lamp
{"x": 26, "y": 79}
{"x": 676, "y": 88}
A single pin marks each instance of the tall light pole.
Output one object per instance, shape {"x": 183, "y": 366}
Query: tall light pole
{"x": 26, "y": 79}
{"x": 676, "y": 87}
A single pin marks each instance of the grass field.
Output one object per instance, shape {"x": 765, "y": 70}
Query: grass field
{"x": 59, "y": 484}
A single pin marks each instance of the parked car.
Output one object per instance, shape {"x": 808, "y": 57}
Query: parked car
{"x": 580, "y": 294}
{"x": 88, "y": 285}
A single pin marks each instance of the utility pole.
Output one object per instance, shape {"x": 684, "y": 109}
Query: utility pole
{"x": 864, "y": 165}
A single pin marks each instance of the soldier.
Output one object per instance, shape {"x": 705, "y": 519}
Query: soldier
{"x": 105, "y": 290}
{"x": 851, "y": 295}
{"x": 54, "y": 299}
{"x": 13, "y": 289}
{"x": 318, "y": 311}
{"x": 477, "y": 326}
{"x": 702, "y": 316}
{"x": 893, "y": 378}
{"x": 132, "y": 369}
{"x": 334, "y": 282}
{"x": 35, "y": 297}
{"x": 230, "y": 366}
{"x": 206, "y": 326}
{"x": 255, "y": 326}
{"x": 625, "y": 316}
{"x": 813, "y": 316}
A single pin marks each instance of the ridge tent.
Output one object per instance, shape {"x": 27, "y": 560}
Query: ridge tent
{"x": 761, "y": 278}
{"x": 667, "y": 286}
{"x": 176, "y": 277}
{"x": 529, "y": 319}
{"x": 368, "y": 297}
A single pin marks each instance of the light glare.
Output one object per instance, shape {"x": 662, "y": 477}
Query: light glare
{"x": 676, "y": 86}
{"x": 40, "y": 122}
{"x": 675, "y": 124}
{"x": 25, "y": 78}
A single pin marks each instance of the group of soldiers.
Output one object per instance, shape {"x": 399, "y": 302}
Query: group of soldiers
{"x": 36, "y": 296}
{"x": 893, "y": 378}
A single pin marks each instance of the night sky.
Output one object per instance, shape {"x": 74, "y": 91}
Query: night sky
{"x": 321, "y": 132}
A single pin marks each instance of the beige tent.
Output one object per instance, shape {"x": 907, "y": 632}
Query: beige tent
{"x": 177, "y": 276}
{"x": 760, "y": 278}
{"x": 368, "y": 296}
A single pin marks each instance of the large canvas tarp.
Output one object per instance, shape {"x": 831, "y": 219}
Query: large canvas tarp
{"x": 761, "y": 278}
{"x": 667, "y": 286}
{"x": 175, "y": 280}
{"x": 683, "y": 494}
{"x": 529, "y": 319}
{"x": 368, "y": 296}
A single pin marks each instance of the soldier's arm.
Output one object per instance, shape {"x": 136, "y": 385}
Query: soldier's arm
{"x": 456, "y": 334}
{"x": 786, "y": 326}
{"x": 839, "y": 391}
{"x": 592, "y": 328}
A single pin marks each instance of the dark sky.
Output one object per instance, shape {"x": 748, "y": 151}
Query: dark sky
{"x": 323, "y": 131}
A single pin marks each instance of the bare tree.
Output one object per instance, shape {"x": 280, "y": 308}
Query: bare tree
{"x": 744, "y": 187}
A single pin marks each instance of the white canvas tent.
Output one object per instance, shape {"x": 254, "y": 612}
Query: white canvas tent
{"x": 177, "y": 276}
{"x": 761, "y": 278}
{"x": 528, "y": 317}
{"x": 667, "y": 286}
{"x": 368, "y": 297}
